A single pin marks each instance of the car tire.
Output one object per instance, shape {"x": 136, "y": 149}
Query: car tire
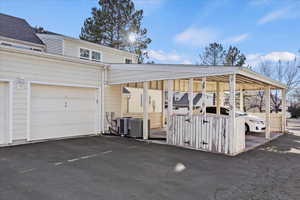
{"x": 247, "y": 129}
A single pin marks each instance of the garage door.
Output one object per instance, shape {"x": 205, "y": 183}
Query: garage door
{"x": 4, "y": 111}
{"x": 58, "y": 112}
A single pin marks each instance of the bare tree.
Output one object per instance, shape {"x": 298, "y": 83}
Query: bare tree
{"x": 284, "y": 72}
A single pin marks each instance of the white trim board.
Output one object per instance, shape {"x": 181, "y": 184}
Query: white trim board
{"x": 10, "y": 108}
{"x": 63, "y": 84}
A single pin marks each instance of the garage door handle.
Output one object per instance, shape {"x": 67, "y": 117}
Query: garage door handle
{"x": 205, "y": 121}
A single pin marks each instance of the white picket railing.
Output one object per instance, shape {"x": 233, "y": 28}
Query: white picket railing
{"x": 206, "y": 132}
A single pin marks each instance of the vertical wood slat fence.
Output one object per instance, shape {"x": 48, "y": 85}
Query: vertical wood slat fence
{"x": 206, "y": 132}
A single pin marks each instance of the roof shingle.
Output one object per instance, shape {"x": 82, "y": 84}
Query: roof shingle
{"x": 18, "y": 29}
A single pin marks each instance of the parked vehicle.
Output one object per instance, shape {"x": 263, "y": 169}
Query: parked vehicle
{"x": 252, "y": 123}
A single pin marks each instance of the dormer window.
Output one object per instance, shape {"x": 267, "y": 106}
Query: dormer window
{"x": 96, "y": 56}
{"x": 90, "y": 55}
{"x": 84, "y": 54}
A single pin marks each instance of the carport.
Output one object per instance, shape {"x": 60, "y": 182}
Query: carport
{"x": 198, "y": 129}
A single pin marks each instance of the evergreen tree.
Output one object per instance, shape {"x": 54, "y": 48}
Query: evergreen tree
{"x": 117, "y": 24}
{"x": 213, "y": 54}
{"x": 234, "y": 57}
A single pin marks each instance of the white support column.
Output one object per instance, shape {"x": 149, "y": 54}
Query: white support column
{"x": 218, "y": 96}
{"x": 145, "y": 110}
{"x": 163, "y": 100}
{"x": 191, "y": 102}
{"x": 268, "y": 108}
{"x": 102, "y": 88}
{"x": 222, "y": 94}
{"x": 122, "y": 100}
{"x": 241, "y": 100}
{"x": 283, "y": 96}
{"x": 203, "y": 91}
{"x": 170, "y": 108}
{"x": 232, "y": 104}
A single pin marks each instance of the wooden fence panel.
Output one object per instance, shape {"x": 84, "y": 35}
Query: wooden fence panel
{"x": 207, "y": 132}
{"x": 200, "y": 132}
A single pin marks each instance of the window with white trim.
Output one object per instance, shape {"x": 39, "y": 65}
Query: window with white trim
{"x": 96, "y": 56}
{"x": 84, "y": 53}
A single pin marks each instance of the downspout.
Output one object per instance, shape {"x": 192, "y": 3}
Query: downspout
{"x": 103, "y": 86}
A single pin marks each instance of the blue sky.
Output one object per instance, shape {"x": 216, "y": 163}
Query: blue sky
{"x": 262, "y": 29}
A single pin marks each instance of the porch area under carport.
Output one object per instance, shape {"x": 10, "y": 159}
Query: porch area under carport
{"x": 197, "y": 129}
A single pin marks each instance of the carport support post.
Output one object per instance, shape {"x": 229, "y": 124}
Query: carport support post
{"x": 283, "y": 96}
{"x": 170, "y": 110}
{"x": 232, "y": 122}
{"x": 218, "y": 99}
{"x": 268, "y": 115}
{"x": 241, "y": 100}
{"x": 163, "y": 100}
{"x": 203, "y": 90}
{"x": 191, "y": 103}
{"x": 221, "y": 94}
{"x": 145, "y": 110}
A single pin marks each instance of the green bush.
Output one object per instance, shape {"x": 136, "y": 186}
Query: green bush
{"x": 295, "y": 111}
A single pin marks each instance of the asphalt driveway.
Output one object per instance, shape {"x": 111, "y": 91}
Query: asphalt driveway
{"x": 117, "y": 168}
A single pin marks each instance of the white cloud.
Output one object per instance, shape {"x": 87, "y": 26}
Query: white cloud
{"x": 197, "y": 36}
{"x": 187, "y": 62}
{"x": 237, "y": 38}
{"x": 275, "y": 15}
{"x": 149, "y": 6}
{"x": 163, "y": 56}
{"x": 255, "y": 59}
{"x": 283, "y": 56}
{"x": 159, "y": 56}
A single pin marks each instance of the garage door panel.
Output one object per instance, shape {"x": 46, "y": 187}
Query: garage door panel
{"x": 68, "y": 130}
{"x": 58, "y": 112}
{"x": 51, "y": 118}
{"x": 4, "y": 112}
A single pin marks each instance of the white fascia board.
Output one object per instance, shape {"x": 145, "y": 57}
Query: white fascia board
{"x": 259, "y": 77}
{"x": 171, "y": 67}
{"x": 168, "y": 77}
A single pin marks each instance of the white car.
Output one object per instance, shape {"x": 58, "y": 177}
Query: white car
{"x": 252, "y": 123}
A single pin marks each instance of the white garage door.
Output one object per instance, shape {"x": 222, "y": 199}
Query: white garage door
{"x": 58, "y": 111}
{"x": 4, "y": 111}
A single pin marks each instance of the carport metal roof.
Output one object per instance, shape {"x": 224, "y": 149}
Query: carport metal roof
{"x": 137, "y": 73}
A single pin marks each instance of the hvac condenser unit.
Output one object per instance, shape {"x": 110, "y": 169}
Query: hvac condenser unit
{"x": 136, "y": 127}
{"x": 123, "y": 125}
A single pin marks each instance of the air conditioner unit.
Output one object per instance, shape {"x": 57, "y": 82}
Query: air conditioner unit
{"x": 136, "y": 127}
{"x": 123, "y": 125}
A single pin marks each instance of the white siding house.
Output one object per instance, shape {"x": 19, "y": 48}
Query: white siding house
{"x": 54, "y": 86}
{"x": 41, "y": 85}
